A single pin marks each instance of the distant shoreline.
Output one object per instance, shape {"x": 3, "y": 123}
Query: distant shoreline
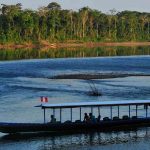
{"x": 56, "y": 45}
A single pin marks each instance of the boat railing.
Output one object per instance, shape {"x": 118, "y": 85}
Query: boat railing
{"x": 142, "y": 112}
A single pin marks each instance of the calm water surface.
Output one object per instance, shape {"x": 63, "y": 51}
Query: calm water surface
{"x": 23, "y": 82}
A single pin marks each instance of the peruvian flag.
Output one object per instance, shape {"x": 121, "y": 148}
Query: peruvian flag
{"x": 44, "y": 99}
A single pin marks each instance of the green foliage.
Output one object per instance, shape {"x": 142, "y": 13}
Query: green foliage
{"x": 54, "y": 6}
{"x": 51, "y": 23}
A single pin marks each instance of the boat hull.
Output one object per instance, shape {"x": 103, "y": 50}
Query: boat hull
{"x": 13, "y": 128}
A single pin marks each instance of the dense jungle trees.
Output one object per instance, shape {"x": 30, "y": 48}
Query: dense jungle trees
{"x": 52, "y": 23}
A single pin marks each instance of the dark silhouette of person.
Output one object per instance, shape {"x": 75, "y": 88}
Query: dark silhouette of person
{"x": 92, "y": 117}
{"x": 98, "y": 118}
{"x": 53, "y": 119}
{"x": 86, "y": 117}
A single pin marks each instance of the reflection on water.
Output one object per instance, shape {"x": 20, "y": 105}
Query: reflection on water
{"x": 13, "y": 54}
{"x": 79, "y": 141}
{"x": 93, "y": 139}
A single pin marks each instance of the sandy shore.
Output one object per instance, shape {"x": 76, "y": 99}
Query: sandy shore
{"x": 65, "y": 45}
{"x": 95, "y": 76}
{"x": 101, "y": 44}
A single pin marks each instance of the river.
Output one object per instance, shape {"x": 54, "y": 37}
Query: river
{"x": 22, "y": 83}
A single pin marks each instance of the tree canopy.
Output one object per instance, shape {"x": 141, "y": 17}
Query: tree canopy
{"x": 54, "y": 6}
{"x": 52, "y": 23}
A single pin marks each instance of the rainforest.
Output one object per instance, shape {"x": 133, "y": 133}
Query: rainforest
{"x": 51, "y": 24}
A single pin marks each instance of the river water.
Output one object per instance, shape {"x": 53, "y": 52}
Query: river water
{"x": 23, "y": 82}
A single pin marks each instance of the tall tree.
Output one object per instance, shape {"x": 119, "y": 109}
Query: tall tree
{"x": 54, "y": 6}
{"x": 84, "y": 17}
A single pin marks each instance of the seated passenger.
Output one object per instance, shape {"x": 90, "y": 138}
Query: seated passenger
{"x": 98, "y": 118}
{"x": 68, "y": 121}
{"x": 116, "y": 118}
{"x": 53, "y": 120}
{"x": 125, "y": 117}
{"x": 106, "y": 119}
{"x": 77, "y": 121}
{"x": 92, "y": 117}
{"x": 134, "y": 117}
{"x": 86, "y": 117}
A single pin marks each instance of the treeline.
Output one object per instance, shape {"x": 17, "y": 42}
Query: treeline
{"x": 51, "y": 23}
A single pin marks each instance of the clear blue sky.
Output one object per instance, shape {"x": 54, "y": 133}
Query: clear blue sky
{"x": 103, "y": 5}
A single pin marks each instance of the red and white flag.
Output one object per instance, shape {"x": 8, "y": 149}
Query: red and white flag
{"x": 44, "y": 99}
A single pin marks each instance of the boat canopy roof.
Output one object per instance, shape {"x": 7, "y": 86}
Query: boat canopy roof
{"x": 95, "y": 104}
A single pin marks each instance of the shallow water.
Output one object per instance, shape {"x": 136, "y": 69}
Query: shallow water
{"x": 23, "y": 82}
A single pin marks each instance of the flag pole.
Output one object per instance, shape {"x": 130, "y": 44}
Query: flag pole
{"x": 44, "y": 100}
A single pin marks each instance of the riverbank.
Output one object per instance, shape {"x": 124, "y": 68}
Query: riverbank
{"x": 56, "y": 45}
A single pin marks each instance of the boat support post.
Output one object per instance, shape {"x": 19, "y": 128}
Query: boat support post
{"x": 118, "y": 111}
{"x": 92, "y": 110}
{"x": 60, "y": 115}
{"x": 80, "y": 113}
{"x": 54, "y": 112}
{"x": 129, "y": 112}
{"x": 99, "y": 111}
{"x": 71, "y": 114}
{"x": 146, "y": 110}
{"x": 44, "y": 116}
{"x": 136, "y": 110}
{"x": 111, "y": 112}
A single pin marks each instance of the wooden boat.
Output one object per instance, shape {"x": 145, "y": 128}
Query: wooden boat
{"x": 106, "y": 124}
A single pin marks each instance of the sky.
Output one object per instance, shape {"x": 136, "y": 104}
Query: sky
{"x": 102, "y": 5}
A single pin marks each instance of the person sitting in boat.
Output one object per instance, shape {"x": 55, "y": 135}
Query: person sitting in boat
{"x": 92, "y": 117}
{"x": 98, "y": 118}
{"x": 53, "y": 119}
{"x": 86, "y": 117}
